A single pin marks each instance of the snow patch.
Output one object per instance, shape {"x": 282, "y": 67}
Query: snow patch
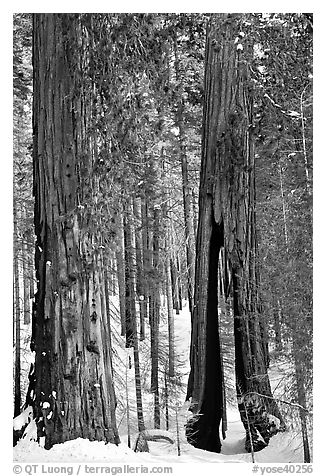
{"x": 22, "y": 419}
{"x": 158, "y": 432}
{"x": 175, "y": 131}
{"x": 30, "y": 433}
{"x": 261, "y": 69}
{"x": 273, "y": 419}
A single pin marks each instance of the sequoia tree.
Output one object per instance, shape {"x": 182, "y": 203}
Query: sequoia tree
{"x": 71, "y": 385}
{"x": 227, "y": 220}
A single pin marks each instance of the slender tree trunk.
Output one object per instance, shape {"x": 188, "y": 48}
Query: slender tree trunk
{"x": 286, "y": 236}
{"x": 26, "y": 275}
{"x": 154, "y": 317}
{"x": 127, "y": 403}
{"x": 106, "y": 295}
{"x": 301, "y": 392}
{"x": 179, "y": 282}
{"x": 169, "y": 290}
{"x": 121, "y": 273}
{"x": 177, "y": 305}
{"x": 110, "y": 269}
{"x": 277, "y": 323}
{"x": 140, "y": 413}
{"x": 175, "y": 285}
{"x": 73, "y": 384}
{"x": 186, "y": 189}
{"x": 17, "y": 306}
{"x": 297, "y": 340}
{"x": 145, "y": 256}
{"x": 166, "y": 399}
{"x": 139, "y": 266}
{"x": 177, "y": 430}
{"x": 130, "y": 276}
{"x": 131, "y": 323}
{"x": 194, "y": 214}
{"x": 170, "y": 318}
{"x": 304, "y": 142}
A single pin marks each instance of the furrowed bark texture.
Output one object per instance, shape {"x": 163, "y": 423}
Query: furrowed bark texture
{"x": 227, "y": 219}
{"x": 73, "y": 390}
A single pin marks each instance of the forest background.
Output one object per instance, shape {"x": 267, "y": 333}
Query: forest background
{"x": 319, "y": 201}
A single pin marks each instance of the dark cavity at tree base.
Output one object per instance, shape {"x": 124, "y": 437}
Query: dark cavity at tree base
{"x": 203, "y": 432}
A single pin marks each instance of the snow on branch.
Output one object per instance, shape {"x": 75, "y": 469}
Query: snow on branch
{"x": 287, "y": 113}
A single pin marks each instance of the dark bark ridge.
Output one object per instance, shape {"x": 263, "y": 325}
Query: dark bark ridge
{"x": 71, "y": 387}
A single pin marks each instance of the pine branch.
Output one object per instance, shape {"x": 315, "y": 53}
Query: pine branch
{"x": 297, "y": 405}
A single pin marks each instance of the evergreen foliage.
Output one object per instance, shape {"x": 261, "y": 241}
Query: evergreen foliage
{"x": 137, "y": 85}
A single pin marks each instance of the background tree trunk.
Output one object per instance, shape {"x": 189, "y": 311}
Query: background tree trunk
{"x": 154, "y": 315}
{"x": 131, "y": 323}
{"x": 121, "y": 273}
{"x": 186, "y": 190}
{"x": 170, "y": 318}
{"x": 26, "y": 255}
{"x": 17, "y": 323}
{"x": 145, "y": 255}
{"x": 140, "y": 289}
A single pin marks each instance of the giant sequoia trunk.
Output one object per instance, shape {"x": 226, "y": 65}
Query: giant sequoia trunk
{"x": 72, "y": 389}
{"x": 227, "y": 219}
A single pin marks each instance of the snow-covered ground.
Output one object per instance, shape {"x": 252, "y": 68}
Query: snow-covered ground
{"x": 283, "y": 448}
